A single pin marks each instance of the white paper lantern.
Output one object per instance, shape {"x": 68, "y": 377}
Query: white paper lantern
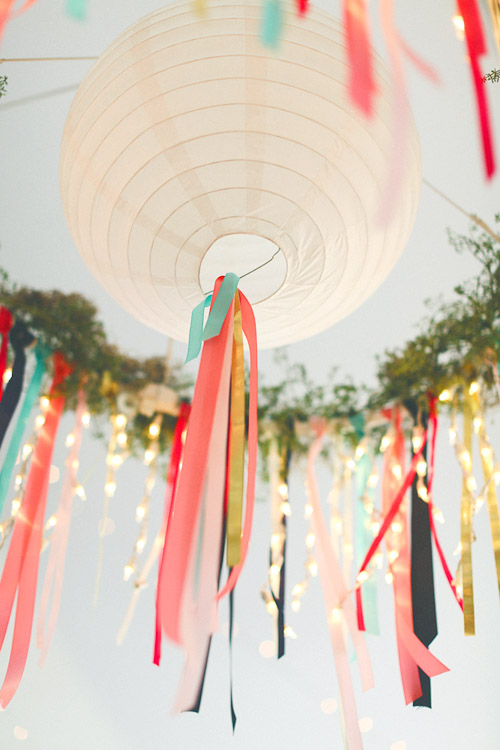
{"x": 190, "y": 150}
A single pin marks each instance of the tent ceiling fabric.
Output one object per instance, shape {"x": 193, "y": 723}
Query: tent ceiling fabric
{"x": 187, "y": 130}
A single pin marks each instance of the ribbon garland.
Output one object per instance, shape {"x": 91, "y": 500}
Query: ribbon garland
{"x": 362, "y": 87}
{"x": 41, "y": 354}
{"x": 20, "y": 339}
{"x": 20, "y": 572}
{"x": 54, "y": 573}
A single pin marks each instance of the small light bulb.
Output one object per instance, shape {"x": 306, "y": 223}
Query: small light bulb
{"x": 465, "y": 459}
{"x": 393, "y": 555}
{"x": 471, "y": 484}
{"x": 109, "y": 488}
{"x": 362, "y": 576}
{"x": 312, "y": 567}
{"x": 80, "y": 492}
{"x": 149, "y": 456}
{"x": 368, "y": 506}
{"x": 283, "y": 490}
{"x": 422, "y": 467}
{"x": 120, "y": 421}
{"x": 140, "y": 544}
{"x": 350, "y": 464}
{"x": 445, "y": 395}
{"x": 140, "y": 512}
{"x": 458, "y": 550}
{"x": 437, "y": 515}
{"x": 416, "y": 442}
{"x": 397, "y": 527}
{"x": 296, "y": 605}
{"x": 274, "y": 570}
{"x": 372, "y": 482}
{"x": 18, "y": 480}
{"x": 423, "y": 493}
{"x": 271, "y": 607}
{"x": 477, "y": 423}
{"x": 289, "y": 632}
{"x": 122, "y": 439}
{"x": 458, "y": 23}
{"x": 297, "y": 590}
{"x": 310, "y": 539}
{"x": 486, "y": 451}
{"x": 44, "y": 403}
{"x": 473, "y": 388}
{"x": 452, "y": 434}
{"x": 397, "y": 472}
{"x": 385, "y": 443}
{"x": 86, "y": 419}
{"x": 360, "y": 452}
{"x": 375, "y": 527}
{"x": 479, "y": 503}
{"x": 379, "y": 560}
{"x": 14, "y": 508}
{"x": 7, "y": 375}
{"x": 52, "y": 521}
{"x": 336, "y": 615}
{"x": 127, "y": 571}
{"x": 389, "y": 578}
{"x": 70, "y": 440}
{"x": 154, "y": 430}
{"x": 308, "y": 511}
{"x": 116, "y": 460}
{"x": 39, "y": 421}
{"x": 27, "y": 450}
{"x": 285, "y": 508}
{"x": 496, "y": 475}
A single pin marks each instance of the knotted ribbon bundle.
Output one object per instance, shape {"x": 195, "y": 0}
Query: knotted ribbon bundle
{"x": 208, "y": 495}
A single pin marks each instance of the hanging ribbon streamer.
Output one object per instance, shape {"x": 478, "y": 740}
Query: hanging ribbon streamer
{"x": 362, "y": 87}
{"x": 77, "y": 9}
{"x": 302, "y": 7}
{"x": 54, "y": 573}
{"x": 338, "y": 605}
{"x": 488, "y": 468}
{"x": 20, "y": 339}
{"x": 6, "y": 8}
{"x": 272, "y": 23}
{"x": 20, "y": 572}
{"x": 466, "y": 525}
{"x": 6, "y": 322}
{"x": 476, "y": 46}
{"x": 494, "y": 7}
{"x": 41, "y": 353}
{"x": 174, "y": 465}
{"x": 218, "y": 312}
{"x": 422, "y": 574}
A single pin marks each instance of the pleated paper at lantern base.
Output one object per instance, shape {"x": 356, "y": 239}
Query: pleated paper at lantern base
{"x": 190, "y": 151}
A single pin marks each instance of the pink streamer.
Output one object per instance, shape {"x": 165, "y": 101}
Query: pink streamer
{"x": 336, "y": 596}
{"x": 55, "y": 568}
{"x": 6, "y": 6}
{"x": 172, "y": 479}
{"x": 362, "y": 87}
{"x": 199, "y": 617}
{"x": 20, "y": 572}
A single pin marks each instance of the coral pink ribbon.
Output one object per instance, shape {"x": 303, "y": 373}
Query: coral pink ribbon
{"x": 55, "y": 567}
{"x": 6, "y": 322}
{"x": 362, "y": 87}
{"x": 337, "y": 600}
{"x": 250, "y": 331}
{"x": 20, "y": 572}
{"x": 199, "y": 612}
{"x": 172, "y": 478}
{"x": 401, "y": 567}
{"x": 5, "y": 11}
{"x": 187, "y": 501}
{"x": 476, "y": 45}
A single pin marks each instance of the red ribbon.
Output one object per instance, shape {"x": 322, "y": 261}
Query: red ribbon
{"x": 20, "y": 572}
{"x": 6, "y": 322}
{"x": 476, "y": 45}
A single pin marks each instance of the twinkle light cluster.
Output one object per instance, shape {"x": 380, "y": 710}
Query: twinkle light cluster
{"x": 142, "y": 510}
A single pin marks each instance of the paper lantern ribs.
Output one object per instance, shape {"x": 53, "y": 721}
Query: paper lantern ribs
{"x": 191, "y": 151}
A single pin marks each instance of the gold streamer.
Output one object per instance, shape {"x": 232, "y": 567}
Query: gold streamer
{"x": 466, "y": 511}
{"x": 495, "y": 18}
{"x": 237, "y": 442}
{"x": 491, "y": 494}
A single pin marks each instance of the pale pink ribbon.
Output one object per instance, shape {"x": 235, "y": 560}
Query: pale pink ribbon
{"x": 55, "y": 567}
{"x": 338, "y": 604}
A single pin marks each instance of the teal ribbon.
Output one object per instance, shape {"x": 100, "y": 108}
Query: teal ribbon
{"x": 272, "y": 23}
{"x": 77, "y": 9}
{"x": 41, "y": 353}
{"x": 218, "y": 313}
{"x": 364, "y": 537}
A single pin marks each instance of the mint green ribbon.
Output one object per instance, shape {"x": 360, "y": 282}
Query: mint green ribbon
{"x": 364, "y": 537}
{"x": 272, "y": 23}
{"x": 77, "y": 9}
{"x": 218, "y": 313}
{"x": 41, "y": 353}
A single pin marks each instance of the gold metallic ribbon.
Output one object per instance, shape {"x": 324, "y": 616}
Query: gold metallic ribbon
{"x": 491, "y": 494}
{"x": 466, "y": 511}
{"x": 236, "y": 442}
